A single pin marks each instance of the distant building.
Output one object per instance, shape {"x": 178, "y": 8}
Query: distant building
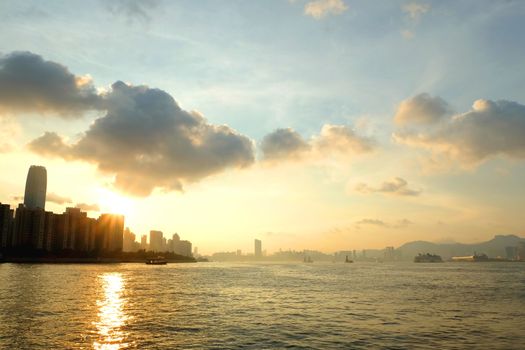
{"x": 521, "y": 251}
{"x": 144, "y": 242}
{"x": 36, "y": 186}
{"x": 128, "y": 243}
{"x": 155, "y": 241}
{"x": 511, "y": 253}
{"x": 257, "y": 248}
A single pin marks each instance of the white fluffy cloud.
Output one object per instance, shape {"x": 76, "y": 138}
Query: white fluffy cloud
{"x": 421, "y": 109}
{"x": 319, "y": 9}
{"x": 333, "y": 140}
{"x": 490, "y": 129}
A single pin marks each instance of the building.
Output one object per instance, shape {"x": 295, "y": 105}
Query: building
{"x": 110, "y": 231}
{"x": 128, "y": 241}
{"x": 521, "y": 251}
{"x": 184, "y": 248}
{"x": 258, "y": 248}
{"x": 156, "y": 241}
{"x": 144, "y": 242}
{"x": 28, "y": 228}
{"x": 36, "y": 186}
{"x": 6, "y": 221}
{"x": 511, "y": 253}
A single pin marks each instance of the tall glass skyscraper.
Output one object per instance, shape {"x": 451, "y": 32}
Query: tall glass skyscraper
{"x": 36, "y": 185}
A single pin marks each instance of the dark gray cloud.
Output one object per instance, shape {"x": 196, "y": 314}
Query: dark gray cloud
{"x": 287, "y": 144}
{"x": 147, "y": 141}
{"x": 490, "y": 129}
{"x": 88, "y": 207}
{"x": 421, "y": 109}
{"x": 28, "y": 83}
{"x": 284, "y": 144}
{"x": 55, "y": 198}
{"x": 395, "y": 186}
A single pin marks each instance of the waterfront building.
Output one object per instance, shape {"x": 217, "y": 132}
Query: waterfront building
{"x": 36, "y": 186}
{"x": 511, "y": 253}
{"x": 521, "y": 251}
{"x": 258, "y": 248}
{"x": 109, "y": 235}
{"x": 144, "y": 242}
{"x": 155, "y": 240}
{"x": 129, "y": 244}
{"x": 6, "y": 221}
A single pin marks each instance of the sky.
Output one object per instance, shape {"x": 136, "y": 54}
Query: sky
{"x": 309, "y": 124}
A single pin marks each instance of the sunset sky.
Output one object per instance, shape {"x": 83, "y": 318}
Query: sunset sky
{"x": 324, "y": 124}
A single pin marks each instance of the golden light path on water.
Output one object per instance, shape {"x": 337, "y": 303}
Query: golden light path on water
{"x": 111, "y": 316}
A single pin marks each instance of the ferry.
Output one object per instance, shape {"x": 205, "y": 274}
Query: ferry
{"x": 159, "y": 260}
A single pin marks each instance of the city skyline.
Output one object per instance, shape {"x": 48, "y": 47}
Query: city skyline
{"x": 366, "y": 125}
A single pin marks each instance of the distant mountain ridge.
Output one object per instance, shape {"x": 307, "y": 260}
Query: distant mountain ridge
{"x": 493, "y": 248}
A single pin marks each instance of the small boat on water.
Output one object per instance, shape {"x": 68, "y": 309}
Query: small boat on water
{"x": 308, "y": 260}
{"x": 348, "y": 261}
{"x": 159, "y": 260}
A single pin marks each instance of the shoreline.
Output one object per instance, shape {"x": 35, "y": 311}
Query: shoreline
{"x": 83, "y": 261}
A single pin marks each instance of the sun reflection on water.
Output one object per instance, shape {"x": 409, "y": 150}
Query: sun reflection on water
{"x": 111, "y": 316}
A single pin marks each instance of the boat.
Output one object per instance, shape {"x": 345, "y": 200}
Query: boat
{"x": 308, "y": 260}
{"x": 428, "y": 258}
{"x": 348, "y": 261}
{"x": 159, "y": 260}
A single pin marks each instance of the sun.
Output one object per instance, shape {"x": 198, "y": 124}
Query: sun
{"x": 114, "y": 203}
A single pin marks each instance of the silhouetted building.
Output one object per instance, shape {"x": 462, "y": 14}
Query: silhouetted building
{"x": 61, "y": 231}
{"x": 36, "y": 185}
{"x": 155, "y": 241}
{"x": 49, "y": 230}
{"x": 6, "y": 222}
{"x": 258, "y": 248}
{"x": 28, "y": 228}
{"x": 110, "y": 230}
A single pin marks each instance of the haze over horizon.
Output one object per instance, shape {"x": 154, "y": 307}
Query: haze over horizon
{"x": 326, "y": 125}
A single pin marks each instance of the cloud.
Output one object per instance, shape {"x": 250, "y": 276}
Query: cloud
{"x": 421, "y": 109}
{"x": 28, "y": 83}
{"x": 147, "y": 141}
{"x": 374, "y": 222}
{"x": 380, "y": 223}
{"x": 88, "y": 207}
{"x": 396, "y": 186}
{"x": 284, "y": 144}
{"x": 55, "y": 198}
{"x": 133, "y": 9}
{"x": 408, "y": 34}
{"x": 333, "y": 140}
{"x": 490, "y": 129}
{"x": 415, "y": 10}
{"x": 319, "y": 9}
